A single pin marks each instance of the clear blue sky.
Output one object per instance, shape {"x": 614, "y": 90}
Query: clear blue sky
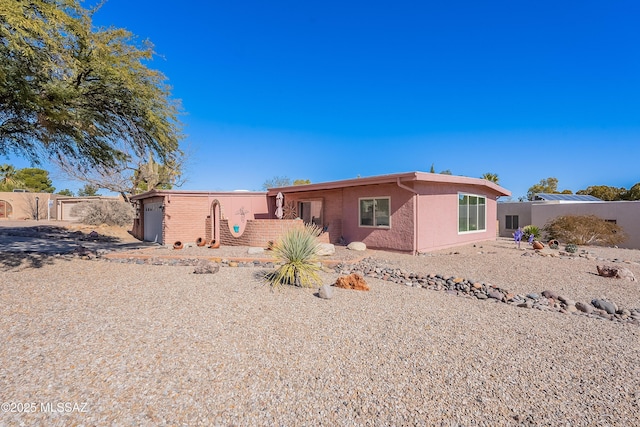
{"x": 329, "y": 90}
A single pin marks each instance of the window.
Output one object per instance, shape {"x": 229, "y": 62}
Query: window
{"x": 375, "y": 212}
{"x": 511, "y": 222}
{"x": 471, "y": 213}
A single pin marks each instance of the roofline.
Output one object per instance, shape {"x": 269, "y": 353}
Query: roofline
{"x": 192, "y": 193}
{"x": 391, "y": 178}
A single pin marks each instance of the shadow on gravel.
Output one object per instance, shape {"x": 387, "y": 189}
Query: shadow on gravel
{"x": 14, "y": 260}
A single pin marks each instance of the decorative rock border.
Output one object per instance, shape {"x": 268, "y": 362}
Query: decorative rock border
{"x": 470, "y": 288}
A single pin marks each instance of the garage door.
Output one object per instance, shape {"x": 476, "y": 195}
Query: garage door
{"x": 153, "y": 222}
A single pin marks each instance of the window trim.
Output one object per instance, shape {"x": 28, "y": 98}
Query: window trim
{"x": 484, "y": 226}
{"x": 384, "y": 227}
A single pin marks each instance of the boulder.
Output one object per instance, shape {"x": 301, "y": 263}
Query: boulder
{"x": 352, "y": 281}
{"x": 617, "y": 272}
{"x": 325, "y": 249}
{"x": 357, "y": 246}
{"x": 325, "y": 292}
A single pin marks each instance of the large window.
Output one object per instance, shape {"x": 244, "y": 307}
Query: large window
{"x": 375, "y": 212}
{"x": 471, "y": 213}
{"x": 511, "y": 222}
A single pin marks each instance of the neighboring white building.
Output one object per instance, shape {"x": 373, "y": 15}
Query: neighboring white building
{"x": 626, "y": 214}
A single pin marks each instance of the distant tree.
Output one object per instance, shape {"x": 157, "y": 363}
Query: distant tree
{"x": 8, "y": 179}
{"x": 604, "y": 192}
{"x": 74, "y": 92}
{"x": 433, "y": 169}
{"x": 65, "y": 192}
{"x": 87, "y": 191}
{"x": 36, "y": 180}
{"x": 276, "y": 181}
{"x": 446, "y": 172}
{"x": 633, "y": 193}
{"x": 549, "y": 185}
{"x": 493, "y": 177}
{"x": 302, "y": 182}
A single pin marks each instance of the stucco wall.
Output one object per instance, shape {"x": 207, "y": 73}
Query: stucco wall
{"x": 23, "y": 205}
{"x": 626, "y": 214}
{"x": 438, "y": 216}
{"x": 186, "y": 216}
{"x": 399, "y": 236}
{"x": 521, "y": 209}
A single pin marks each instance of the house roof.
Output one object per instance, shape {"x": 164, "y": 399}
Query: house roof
{"x": 566, "y": 197}
{"x": 402, "y": 178}
{"x": 155, "y": 193}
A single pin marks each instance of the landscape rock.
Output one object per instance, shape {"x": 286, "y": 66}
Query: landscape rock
{"x": 206, "y": 268}
{"x": 357, "y": 246}
{"x": 617, "y": 272}
{"x": 605, "y": 305}
{"x": 352, "y": 281}
{"x": 324, "y": 249}
{"x": 585, "y": 308}
{"x": 550, "y": 294}
{"x": 325, "y": 292}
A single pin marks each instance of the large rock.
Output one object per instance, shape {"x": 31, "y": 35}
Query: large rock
{"x": 357, "y": 246}
{"x": 325, "y": 292}
{"x": 617, "y": 272}
{"x": 352, "y": 281}
{"x": 605, "y": 305}
{"x": 325, "y": 249}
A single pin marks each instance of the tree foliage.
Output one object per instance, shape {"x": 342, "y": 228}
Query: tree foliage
{"x": 87, "y": 191}
{"x": 65, "y": 192}
{"x": 276, "y": 181}
{"x": 35, "y": 180}
{"x": 301, "y": 182}
{"x": 584, "y": 230}
{"x": 548, "y": 185}
{"x": 493, "y": 177}
{"x": 632, "y": 193}
{"x": 76, "y": 94}
{"x": 604, "y": 192}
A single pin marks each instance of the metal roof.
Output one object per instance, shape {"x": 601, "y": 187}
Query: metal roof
{"x": 567, "y": 197}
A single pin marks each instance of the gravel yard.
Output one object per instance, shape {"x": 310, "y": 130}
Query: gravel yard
{"x": 129, "y": 344}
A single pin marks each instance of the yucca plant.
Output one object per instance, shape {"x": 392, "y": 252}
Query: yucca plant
{"x": 297, "y": 251}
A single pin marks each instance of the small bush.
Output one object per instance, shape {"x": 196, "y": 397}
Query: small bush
{"x": 98, "y": 212}
{"x": 297, "y": 250}
{"x": 571, "y": 248}
{"x": 584, "y": 230}
{"x": 530, "y": 230}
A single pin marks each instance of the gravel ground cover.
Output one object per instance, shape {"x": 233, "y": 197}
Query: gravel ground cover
{"x": 106, "y": 343}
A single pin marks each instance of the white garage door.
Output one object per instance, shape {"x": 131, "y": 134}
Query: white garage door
{"x": 153, "y": 222}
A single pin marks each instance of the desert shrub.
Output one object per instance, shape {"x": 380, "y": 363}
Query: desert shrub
{"x": 584, "y": 230}
{"x": 98, "y": 212}
{"x": 297, "y": 251}
{"x": 530, "y": 230}
{"x": 571, "y": 248}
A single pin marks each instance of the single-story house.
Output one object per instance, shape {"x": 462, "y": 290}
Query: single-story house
{"x": 64, "y": 205}
{"x": 409, "y": 212}
{"x": 170, "y": 216}
{"x": 512, "y": 215}
{"x": 20, "y": 205}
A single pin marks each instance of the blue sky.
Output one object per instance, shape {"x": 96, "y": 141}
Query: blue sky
{"x": 329, "y": 90}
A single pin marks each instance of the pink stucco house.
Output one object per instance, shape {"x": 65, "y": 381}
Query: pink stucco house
{"x": 408, "y": 212}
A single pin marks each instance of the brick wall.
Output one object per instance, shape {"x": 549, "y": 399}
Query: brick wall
{"x": 258, "y": 232}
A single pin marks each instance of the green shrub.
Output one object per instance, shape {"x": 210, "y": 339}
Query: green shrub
{"x": 297, "y": 250}
{"x": 531, "y": 230}
{"x": 571, "y": 248}
{"x": 584, "y": 230}
{"x": 98, "y": 212}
